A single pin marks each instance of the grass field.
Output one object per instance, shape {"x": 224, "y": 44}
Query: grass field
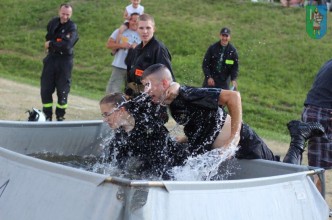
{"x": 278, "y": 60}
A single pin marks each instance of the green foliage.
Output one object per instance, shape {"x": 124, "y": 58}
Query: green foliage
{"x": 278, "y": 61}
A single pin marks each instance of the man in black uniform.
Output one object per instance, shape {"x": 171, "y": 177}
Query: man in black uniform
{"x": 60, "y": 39}
{"x": 149, "y": 51}
{"x": 220, "y": 63}
{"x": 207, "y": 126}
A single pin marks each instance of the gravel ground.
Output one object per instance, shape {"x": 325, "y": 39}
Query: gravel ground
{"x": 17, "y": 98}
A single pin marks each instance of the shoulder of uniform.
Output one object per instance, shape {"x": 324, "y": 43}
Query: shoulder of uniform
{"x": 54, "y": 20}
{"x": 232, "y": 46}
{"x": 71, "y": 24}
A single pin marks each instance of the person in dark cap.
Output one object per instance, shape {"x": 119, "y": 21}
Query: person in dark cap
{"x": 220, "y": 63}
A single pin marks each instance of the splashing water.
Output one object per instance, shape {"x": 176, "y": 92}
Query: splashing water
{"x": 213, "y": 165}
{"x": 162, "y": 98}
{"x": 207, "y": 166}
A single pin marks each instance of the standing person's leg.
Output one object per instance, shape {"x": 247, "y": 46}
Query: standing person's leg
{"x": 252, "y": 146}
{"x": 117, "y": 80}
{"x": 319, "y": 147}
{"x": 47, "y": 86}
{"x": 63, "y": 81}
{"x": 300, "y": 132}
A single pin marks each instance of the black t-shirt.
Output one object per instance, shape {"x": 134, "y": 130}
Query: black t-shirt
{"x": 320, "y": 94}
{"x": 198, "y": 111}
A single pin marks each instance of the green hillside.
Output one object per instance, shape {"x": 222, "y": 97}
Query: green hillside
{"x": 278, "y": 61}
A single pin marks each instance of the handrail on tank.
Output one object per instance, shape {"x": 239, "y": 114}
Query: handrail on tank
{"x": 315, "y": 170}
{"x": 320, "y": 174}
{"x": 134, "y": 183}
{"x": 8, "y": 123}
{"x": 144, "y": 183}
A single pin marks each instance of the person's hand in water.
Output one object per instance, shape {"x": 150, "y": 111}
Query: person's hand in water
{"x": 232, "y": 141}
{"x": 181, "y": 139}
{"x": 230, "y": 147}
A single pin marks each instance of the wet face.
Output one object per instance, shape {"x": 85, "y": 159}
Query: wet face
{"x": 65, "y": 14}
{"x": 111, "y": 115}
{"x": 155, "y": 89}
{"x": 145, "y": 31}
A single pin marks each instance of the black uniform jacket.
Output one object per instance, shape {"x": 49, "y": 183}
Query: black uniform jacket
{"x": 142, "y": 57}
{"x": 62, "y": 37}
{"x": 229, "y": 68}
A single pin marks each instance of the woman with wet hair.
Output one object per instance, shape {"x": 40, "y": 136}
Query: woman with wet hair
{"x": 140, "y": 135}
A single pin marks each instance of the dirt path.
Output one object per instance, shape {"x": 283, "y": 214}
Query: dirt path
{"x": 17, "y": 98}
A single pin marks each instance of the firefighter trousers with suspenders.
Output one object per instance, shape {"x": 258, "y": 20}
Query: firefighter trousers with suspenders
{"x": 56, "y": 74}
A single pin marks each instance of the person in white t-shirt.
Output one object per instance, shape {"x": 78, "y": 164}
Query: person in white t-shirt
{"x": 134, "y": 7}
{"x": 130, "y": 38}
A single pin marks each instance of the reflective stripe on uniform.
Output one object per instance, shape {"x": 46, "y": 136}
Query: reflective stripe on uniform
{"x": 62, "y": 106}
{"x": 229, "y": 61}
{"x": 48, "y": 105}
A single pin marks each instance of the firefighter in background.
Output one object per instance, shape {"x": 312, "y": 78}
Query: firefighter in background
{"x": 58, "y": 64}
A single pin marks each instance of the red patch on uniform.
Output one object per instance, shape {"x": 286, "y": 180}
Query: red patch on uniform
{"x": 139, "y": 72}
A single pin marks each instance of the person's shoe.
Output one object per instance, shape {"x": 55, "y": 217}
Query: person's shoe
{"x": 305, "y": 129}
{"x": 60, "y": 118}
{"x": 300, "y": 132}
{"x": 294, "y": 155}
{"x": 48, "y": 118}
{"x": 277, "y": 158}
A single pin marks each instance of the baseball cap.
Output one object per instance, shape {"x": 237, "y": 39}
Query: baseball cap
{"x": 225, "y": 30}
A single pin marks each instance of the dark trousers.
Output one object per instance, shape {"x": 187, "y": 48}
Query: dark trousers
{"x": 252, "y": 146}
{"x": 219, "y": 83}
{"x": 56, "y": 74}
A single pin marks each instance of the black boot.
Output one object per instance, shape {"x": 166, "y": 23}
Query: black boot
{"x": 300, "y": 132}
{"x": 48, "y": 113}
{"x": 305, "y": 129}
{"x": 60, "y": 113}
{"x": 295, "y": 150}
{"x": 60, "y": 118}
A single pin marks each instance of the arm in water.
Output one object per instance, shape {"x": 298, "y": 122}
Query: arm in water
{"x": 231, "y": 99}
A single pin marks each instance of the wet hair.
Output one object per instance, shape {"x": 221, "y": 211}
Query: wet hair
{"x": 113, "y": 98}
{"x": 146, "y": 17}
{"x": 159, "y": 70}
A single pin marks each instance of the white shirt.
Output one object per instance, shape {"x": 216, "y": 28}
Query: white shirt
{"x": 130, "y": 9}
{"x": 129, "y": 36}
